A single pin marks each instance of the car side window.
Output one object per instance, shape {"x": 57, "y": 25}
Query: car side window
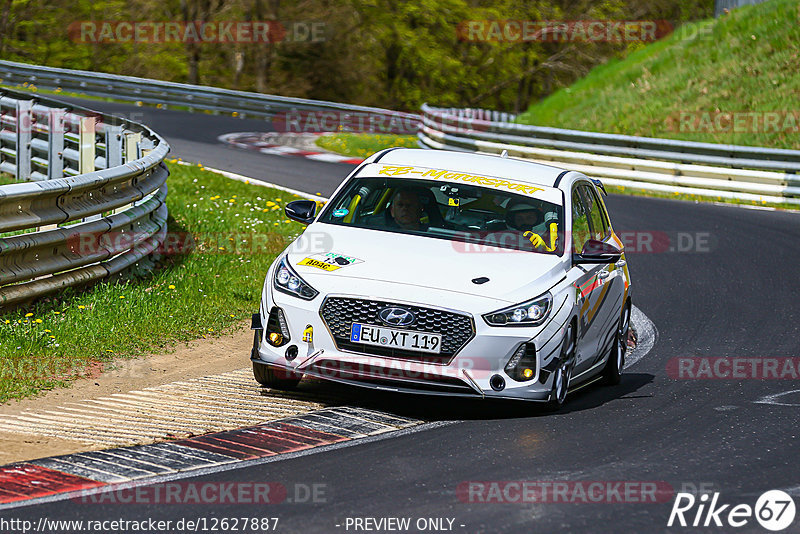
{"x": 580, "y": 222}
{"x": 599, "y": 227}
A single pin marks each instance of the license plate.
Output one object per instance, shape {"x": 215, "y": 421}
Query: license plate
{"x": 395, "y": 339}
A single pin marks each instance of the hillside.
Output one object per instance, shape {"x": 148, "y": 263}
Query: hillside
{"x": 731, "y": 80}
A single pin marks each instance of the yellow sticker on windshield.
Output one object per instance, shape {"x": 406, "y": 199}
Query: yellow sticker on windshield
{"x": 437, "y": 174}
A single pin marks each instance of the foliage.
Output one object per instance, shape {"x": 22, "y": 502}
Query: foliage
{"x": 390, "y": 53}
{"x": 744, "y": 63}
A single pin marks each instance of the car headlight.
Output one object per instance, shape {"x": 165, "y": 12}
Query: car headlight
{"x": 529, "y": 313}
{"x": 288, "y": 281}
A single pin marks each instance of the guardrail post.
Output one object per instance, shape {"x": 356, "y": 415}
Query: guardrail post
{"x": 55, "y": 144}
{"x": 86, "y": 148}
{"x": 113, "y": 146}
{"x": 131, "y": 147}
{"x": 24, "y": 128}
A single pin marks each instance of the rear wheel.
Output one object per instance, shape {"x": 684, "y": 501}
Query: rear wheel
{"x": 612, "y": 374}
{"x": 562, "y": 375}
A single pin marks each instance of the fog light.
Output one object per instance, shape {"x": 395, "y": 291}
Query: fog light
{"x": 522, "y": 365}
{"x": 291, "y": 352}
{"x": 277, "y": 330}
{"x": 527, "y": 373}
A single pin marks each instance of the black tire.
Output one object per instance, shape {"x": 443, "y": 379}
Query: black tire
{"x": 275, "y": 377}
{"x": 612, "y": 373}
{"x": 269, "y": 375}
{"x": 562, "y": 375}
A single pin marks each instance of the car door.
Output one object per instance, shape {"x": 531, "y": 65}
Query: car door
{"x": 606, "y": 306}
{"x": 586, "y": 281}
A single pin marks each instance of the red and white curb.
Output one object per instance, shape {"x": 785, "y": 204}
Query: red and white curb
{"x": 285, "y": 144}
{"x": 96, "y": 470}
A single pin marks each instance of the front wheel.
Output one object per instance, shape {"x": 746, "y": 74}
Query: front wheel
{"x": 269, "y": 375}
{"x": 612, "y": 374}
{"x": 275, "y": 377}
{"x": 562, "y": 375}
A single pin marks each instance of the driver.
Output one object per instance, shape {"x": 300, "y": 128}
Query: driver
{"x": 537, "y": 227}
{"x": 523, "y": 216}
{"x": 406, "y": 209}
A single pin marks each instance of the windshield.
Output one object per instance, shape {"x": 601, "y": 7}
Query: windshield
{"x": 465, "y": 213}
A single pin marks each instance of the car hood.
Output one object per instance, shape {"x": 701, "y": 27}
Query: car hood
{"x": 423, "y": 262}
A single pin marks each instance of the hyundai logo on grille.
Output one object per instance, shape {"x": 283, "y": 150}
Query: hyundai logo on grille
{"x": 396, "y": 317}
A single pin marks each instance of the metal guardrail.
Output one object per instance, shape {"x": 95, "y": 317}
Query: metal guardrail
{"x": 89, "y": 201}
{"x": 193, "y": 97}
{"x": 662, "y": 165}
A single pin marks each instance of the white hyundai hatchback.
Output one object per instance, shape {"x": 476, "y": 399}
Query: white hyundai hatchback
{"x": 449, "y": 273}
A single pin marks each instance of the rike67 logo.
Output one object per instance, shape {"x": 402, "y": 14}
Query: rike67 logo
{"x": 774, "y": 510}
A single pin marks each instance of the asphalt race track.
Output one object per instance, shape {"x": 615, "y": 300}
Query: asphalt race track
{"x": 732, "y": 295}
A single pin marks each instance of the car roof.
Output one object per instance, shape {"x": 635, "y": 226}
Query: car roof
{"x": 485, "y": 164}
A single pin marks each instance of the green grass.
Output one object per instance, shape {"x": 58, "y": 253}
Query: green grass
{"x": 746, "y": 61}
{"x": 238, "y": 229}
{"x": 364, "y": 145}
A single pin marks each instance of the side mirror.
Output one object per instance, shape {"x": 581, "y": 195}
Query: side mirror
{"x": 596, "y": 252}
{"x": 301, "y": 211}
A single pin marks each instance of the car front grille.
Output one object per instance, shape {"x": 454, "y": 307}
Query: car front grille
{"x": 339, "y": 313}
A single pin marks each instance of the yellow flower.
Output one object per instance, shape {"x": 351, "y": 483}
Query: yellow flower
{"x": 38, "y": 321}
{"x": 52, "y": 337}
{"x": 81, "y": 307}
{"x": 28, "y": 315}
{"x": 47, "y": 331}
{"x": 8, "y": 322}
{"x": 122, "y": 296}
{"x": 171, "y": 286}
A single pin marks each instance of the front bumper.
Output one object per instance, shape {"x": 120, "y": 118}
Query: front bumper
{"x": 471, "y": 372}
